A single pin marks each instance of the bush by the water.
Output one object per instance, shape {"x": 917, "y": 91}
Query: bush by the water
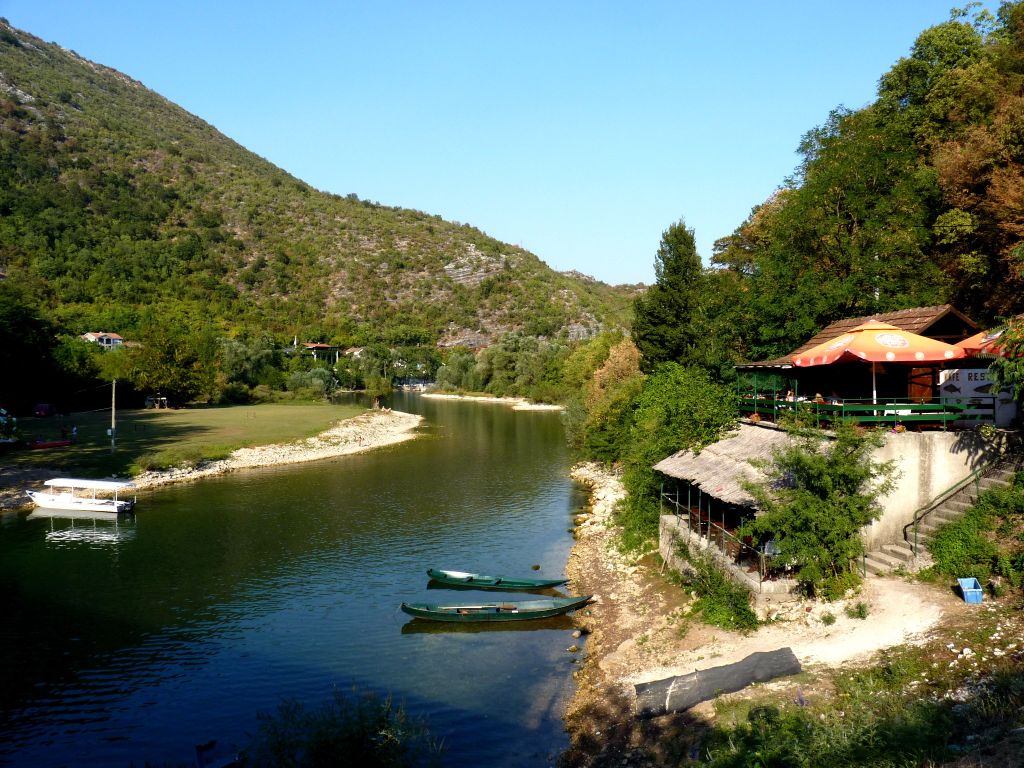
{"x": 352, "y": 730}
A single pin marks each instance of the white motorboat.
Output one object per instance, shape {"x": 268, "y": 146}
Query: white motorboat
{"x": 83, "y": 495}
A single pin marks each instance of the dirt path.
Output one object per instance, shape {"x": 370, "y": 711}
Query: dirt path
{"x": 639, "y": 630}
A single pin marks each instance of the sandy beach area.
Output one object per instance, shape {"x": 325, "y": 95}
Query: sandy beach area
{"x": 638, "y": 630}
{"x": 373, "y": 429}
{"x": 516, "y": 403}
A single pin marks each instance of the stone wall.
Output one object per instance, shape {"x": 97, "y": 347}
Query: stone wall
{"x": 768, "y": 596}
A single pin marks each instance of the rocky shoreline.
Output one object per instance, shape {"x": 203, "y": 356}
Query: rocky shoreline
{"x": 517, "y": 403}
{"x": 373, "y": 429}
{"x": 599, "y": 713}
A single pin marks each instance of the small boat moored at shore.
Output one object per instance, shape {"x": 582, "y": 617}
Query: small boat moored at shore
{"x": 540, "y": 608}
{"x": 83, "y": 495}
{"x": 478, "y": 581}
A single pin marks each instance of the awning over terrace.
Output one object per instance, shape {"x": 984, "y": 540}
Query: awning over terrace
{"x": 721, "y": 469}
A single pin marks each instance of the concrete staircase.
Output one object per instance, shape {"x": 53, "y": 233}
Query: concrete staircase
{"x": 950, "y": 506}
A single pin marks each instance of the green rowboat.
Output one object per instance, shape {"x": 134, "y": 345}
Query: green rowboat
{"x": 475, "y": 580}
{"x": 540, "y": 608}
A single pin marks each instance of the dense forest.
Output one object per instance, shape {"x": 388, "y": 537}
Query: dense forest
{"x": 916, "y": 199}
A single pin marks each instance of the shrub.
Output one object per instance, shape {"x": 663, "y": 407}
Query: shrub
{"x": 967, "y": 547}
{"x": 180, "y": 456}
{"x": 721, "y": 601}
{"x": 857, "y": 611}
{"x": 960, "y": 547}
{"x": 356, "y": 730}
{"x": 677, "y": 408}
{"x": 818, "y": 495}
{"x": 235, "y": 393}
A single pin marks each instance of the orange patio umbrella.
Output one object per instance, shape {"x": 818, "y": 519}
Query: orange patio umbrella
{"x": 985, "y": 342}
{"x": 877, "y": 342}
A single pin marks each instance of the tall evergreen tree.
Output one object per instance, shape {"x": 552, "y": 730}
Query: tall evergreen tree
{"x": 666, "y": 320}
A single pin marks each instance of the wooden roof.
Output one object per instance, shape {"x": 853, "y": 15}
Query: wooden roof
{"x": 916, "y": 320}
{"x": 721, "y": 468}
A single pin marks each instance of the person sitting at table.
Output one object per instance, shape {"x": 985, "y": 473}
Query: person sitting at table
{"x": 818, "y": 399}
{"x": 789, "y": 398}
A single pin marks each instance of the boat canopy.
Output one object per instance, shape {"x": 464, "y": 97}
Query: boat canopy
{"x": 96, "y": 485}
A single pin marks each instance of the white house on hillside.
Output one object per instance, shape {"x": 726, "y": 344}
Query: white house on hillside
{"x": 104, "y": 339}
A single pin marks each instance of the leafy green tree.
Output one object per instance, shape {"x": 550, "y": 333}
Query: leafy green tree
{"x": 608, "y": 401}
{"x": 249, "y": 362}
{"x": 666, "y": 319}
{"x": 819, "y": 493}
{"x": 27, "y": 343}
{"x": 317, "y": 382}
{"x": 175, "y": 356}
{"x": 349, "y": 373}
{"x": 678, "y": 408}
{"x": 1008, "y": 366}
{"x": 457, "y": 372}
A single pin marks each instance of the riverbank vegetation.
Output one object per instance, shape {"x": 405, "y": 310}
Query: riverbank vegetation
{"x": 356, "y": 729}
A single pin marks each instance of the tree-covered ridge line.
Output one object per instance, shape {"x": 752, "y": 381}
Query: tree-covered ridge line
{"x": 112, "y": 198}
{"x": 914, "y": 200}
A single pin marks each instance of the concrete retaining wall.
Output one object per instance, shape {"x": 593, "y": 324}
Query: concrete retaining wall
{"x": 927, "y": 464}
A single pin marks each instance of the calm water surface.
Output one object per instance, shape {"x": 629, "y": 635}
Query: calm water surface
{"x": 127, "y": 643}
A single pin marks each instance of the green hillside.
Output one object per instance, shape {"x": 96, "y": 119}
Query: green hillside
{"x": 113, "y": 199}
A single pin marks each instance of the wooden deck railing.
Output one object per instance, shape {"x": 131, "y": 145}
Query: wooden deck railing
{"x": 883, "y": 412}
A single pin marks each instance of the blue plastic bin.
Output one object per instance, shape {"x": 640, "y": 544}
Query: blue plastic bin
{"x": 971, "y": 589}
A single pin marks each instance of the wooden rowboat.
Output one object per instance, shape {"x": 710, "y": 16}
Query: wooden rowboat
{"x": 540, "y": 608}
{"x": 475, "y": 580}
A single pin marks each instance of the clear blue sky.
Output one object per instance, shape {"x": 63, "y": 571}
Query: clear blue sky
{"x": 579, "y": 130}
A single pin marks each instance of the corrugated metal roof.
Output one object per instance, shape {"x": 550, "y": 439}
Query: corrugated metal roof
{"x": 721, "y": 468}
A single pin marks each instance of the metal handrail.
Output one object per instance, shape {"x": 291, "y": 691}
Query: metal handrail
{"x": 942, "y": 498}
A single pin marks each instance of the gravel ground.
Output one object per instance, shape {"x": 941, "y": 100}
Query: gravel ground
{"x": 638, "y": 629}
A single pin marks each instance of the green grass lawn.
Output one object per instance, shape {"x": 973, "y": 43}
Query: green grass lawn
{"x": 150, "y": 439}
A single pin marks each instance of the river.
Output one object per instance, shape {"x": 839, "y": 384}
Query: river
{"x": 132, "y": 642}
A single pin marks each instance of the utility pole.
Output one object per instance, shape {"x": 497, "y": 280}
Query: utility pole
{"x": 113, "y": 416}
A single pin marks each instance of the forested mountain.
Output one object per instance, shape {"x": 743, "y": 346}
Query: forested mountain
{"x": 916, "y": 199}
{"x": 113, "y": 200}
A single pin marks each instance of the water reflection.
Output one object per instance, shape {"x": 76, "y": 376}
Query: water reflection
{"x": 85, "y": 527}
{"x": 235, "y": 593}
{"x": 425, "y": 627}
